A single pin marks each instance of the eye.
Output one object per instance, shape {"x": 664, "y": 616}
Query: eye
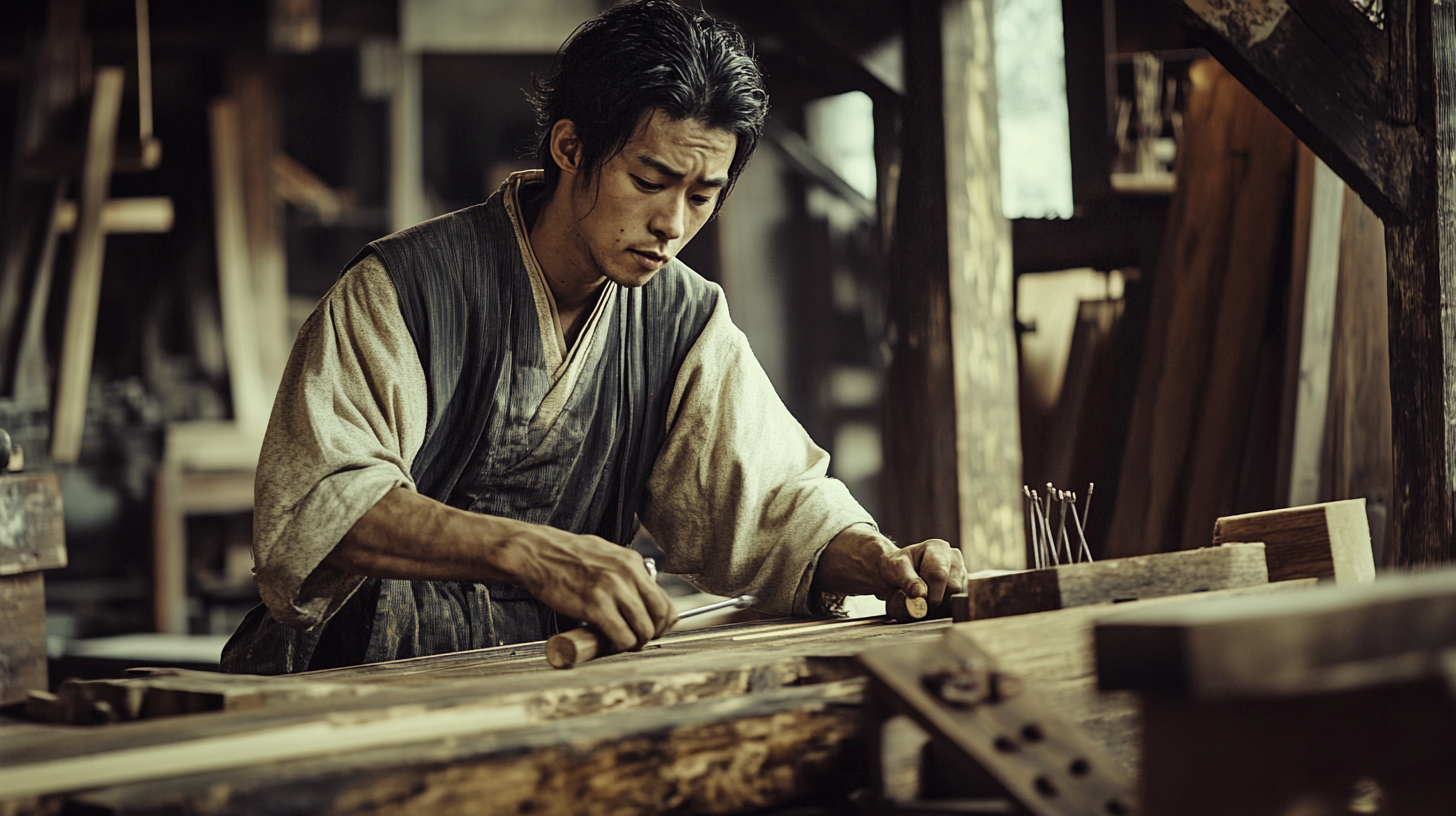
{"x": 702, "y": 200}
{"x": 647, "y": 185}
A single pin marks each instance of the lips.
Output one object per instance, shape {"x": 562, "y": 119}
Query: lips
{"x": 649, "y": 259}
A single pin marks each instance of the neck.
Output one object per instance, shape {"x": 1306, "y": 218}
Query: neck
{"x": 570, "y": 271}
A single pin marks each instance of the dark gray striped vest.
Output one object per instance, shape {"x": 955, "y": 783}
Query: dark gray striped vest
{"x": 465, "y": 295}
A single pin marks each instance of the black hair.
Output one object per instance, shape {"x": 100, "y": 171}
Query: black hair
{"x": 643, "y": 56}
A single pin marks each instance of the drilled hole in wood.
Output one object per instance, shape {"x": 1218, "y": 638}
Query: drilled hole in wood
{"x": 1032, "y": 733}
{"x": 1005, "y": 745}
{"x": 1117, "y": 808}
{"x": 1045, "y": 787}
{"x": 1079, "y": 767}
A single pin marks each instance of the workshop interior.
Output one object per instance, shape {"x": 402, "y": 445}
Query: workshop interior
{"x": 1144, "y": 306}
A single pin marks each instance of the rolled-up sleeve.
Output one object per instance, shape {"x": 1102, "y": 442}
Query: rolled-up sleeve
{"x": 346, "y": 425}
{"x": 739, "y": 498}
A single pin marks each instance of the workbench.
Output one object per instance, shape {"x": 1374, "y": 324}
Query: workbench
{"x": 731, "y": 719}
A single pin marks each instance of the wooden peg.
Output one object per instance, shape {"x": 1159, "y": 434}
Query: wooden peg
{"x": 566, "y": 649}
{"x": 905, "y": 609}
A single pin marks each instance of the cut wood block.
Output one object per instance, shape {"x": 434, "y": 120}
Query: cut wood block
{"x": 22, "y": 636}
{"x": 1111, "y": 581}
{"x": 1330, "y": 639}
{"x": 32, "y": 533}
{"x": 1314, "y": 541}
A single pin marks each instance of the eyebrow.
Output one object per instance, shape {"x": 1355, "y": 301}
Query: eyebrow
{"x": 656, "y": 164}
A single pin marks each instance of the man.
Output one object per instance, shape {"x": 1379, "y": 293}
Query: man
{"x": 477, "y": 416}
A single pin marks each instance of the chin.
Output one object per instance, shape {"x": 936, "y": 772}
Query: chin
{"x": 634, "y": 278}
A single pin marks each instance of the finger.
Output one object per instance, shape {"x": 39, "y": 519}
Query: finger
{"x": 608, "y": 620}
{"x": 656, "y": 602}
{"x": 659, "y": 606}
{"x": 634, "y": 611}
{"x": 902, "y": 575}
{"x": 936, "y": 576}
{"x": 937, "y": 566}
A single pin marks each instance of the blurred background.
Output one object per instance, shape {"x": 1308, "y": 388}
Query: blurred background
{"x": 259, "y": 144}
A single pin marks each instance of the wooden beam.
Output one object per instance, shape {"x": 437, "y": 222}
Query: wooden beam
{"x": 1421, "y": 270}
{"x": 952, "y": 441}
{"x": 1321, "y": 67}
{"x": 1333, "y": 638}
{"x": 1113, "y": 581}
{"x": 486, "y": 759}
{"x": 73, "y": 377}
{"x": 919, "y": 481}
{"x": 150, "y": 214}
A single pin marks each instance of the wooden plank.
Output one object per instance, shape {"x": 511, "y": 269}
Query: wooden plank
{"x": 73, "y": 377}
{"x": 258, "y": 137}
{"x": 32, "y": 530}
{"x": 251, "y": 396}
{"x": 22, "y": 636}
{"x": 1321, "y": 68}
{"x": 1113, "y": 581}
{"x": 1317, "y": 541}
{"x": 1356, "y": 460}
{"x": 722, "y": 756}
{"x": 1217, "y": 195}
{"x": 1333, "y": 638}
{"x": 1317, "y": 320}
{"x": 1258, "y": 207}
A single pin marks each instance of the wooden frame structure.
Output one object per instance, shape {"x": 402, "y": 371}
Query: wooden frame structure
{"x": 1376, "y": 105}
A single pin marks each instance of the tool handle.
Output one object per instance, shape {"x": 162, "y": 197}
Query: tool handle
{"x": 905, "y": 609}
{"x": 566, "y": 649}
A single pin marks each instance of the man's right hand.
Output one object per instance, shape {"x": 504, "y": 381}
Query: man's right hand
{"x": 413, "y": 537}
{"x": 590, "y": 578}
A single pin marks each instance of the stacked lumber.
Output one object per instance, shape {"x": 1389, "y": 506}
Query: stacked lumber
{"x": 1207, "y": 398}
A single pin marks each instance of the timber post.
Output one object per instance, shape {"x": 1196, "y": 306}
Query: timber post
{"x": 952, "y": 436}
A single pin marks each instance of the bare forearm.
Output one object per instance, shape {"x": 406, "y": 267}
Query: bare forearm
{"x": 409, "y": 536}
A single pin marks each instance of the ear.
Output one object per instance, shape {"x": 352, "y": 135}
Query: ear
{"x": 565, "y": 146}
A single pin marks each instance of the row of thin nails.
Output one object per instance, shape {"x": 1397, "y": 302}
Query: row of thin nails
{"x": 1047, "y": 549}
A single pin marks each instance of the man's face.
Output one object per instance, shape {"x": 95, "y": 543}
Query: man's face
{"x": 650, "y": 199}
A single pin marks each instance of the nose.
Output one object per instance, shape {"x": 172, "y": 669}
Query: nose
{"x": 667, "y": 219}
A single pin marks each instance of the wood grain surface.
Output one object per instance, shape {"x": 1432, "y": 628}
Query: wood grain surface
{"x": 1113, "y": 581}
{"x": 1316, "y": 541}
{"x": 1331, "y": 639}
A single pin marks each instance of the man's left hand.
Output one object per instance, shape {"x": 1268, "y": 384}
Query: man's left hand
{"x": 860, "y": 561}
{"x": 931, "y": 570}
